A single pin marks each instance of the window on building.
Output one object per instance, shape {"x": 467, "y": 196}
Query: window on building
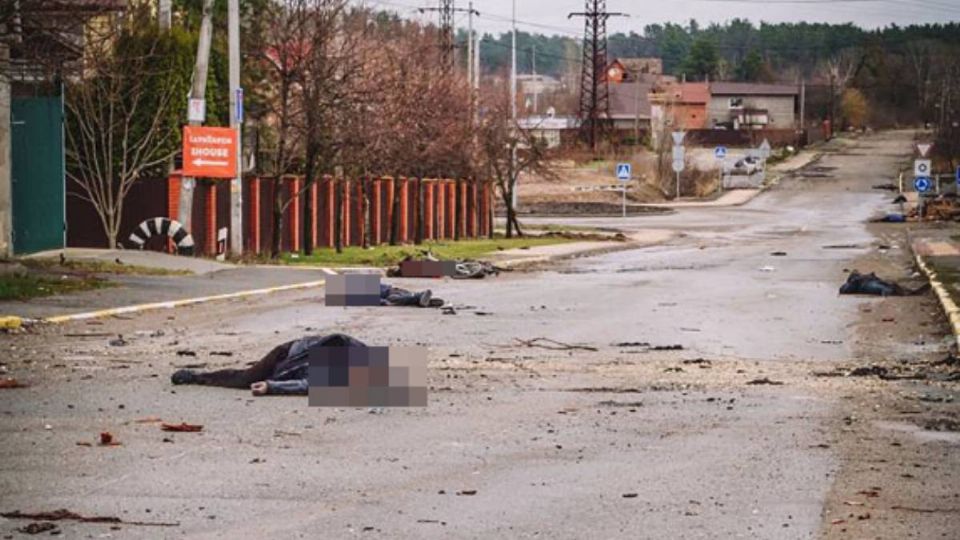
{"x": 736, "y": 103}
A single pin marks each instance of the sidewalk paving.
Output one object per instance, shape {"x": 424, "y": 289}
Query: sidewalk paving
{"x": 133, "y": 290}
{"x": 148, "y": 259}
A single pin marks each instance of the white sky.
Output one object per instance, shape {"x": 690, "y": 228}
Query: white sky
{"x": 550, "y": 16}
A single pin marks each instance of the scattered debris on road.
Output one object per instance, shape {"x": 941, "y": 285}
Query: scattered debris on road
{"x": 10, "y": 382}
{"x": 182, "y": 427}
{"x": 106, "y": 439}
{"x": 66, "y": 515}
{"x": 38, "y": 527}
{"x": 765, "y": 381}
{"x": 553, "y": 345}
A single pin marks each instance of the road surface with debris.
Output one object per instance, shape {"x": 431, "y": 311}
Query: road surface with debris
{"x": 691, "y": 395}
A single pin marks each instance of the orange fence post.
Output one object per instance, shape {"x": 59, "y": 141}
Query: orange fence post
{"x": 375, "y": 224}
{"x": 328, "y": 204}
{"x": 472, "y": 218}
{"x": 452, "y": 216}
{"x": 346, "y": 213}
{"x": 391, "y": 185}
{"x": 462, "y": 188}
{"x": 315, "y": 215}
{"x": 441, "y": 209}
{"x": 428, "y": 210}
{"x": 361, "y": 215}
{"x": 173, "y": 202}
{"x": 404, "y": 209}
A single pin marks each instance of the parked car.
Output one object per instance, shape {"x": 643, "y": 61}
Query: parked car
{"x": 747, "y": 165}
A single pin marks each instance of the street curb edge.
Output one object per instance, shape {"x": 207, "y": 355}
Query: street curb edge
{"x": 16, "y": 322}
{"x": 950, "y": 307}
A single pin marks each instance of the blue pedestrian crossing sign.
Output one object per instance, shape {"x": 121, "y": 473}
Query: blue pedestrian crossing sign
{"x": 624, "y": 172}
{"x": 720, "y": 152}
{"x": 923, "y": 184}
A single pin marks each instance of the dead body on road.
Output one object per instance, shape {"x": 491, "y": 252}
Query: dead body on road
{"x": 396, "y": 296}
{"x": 858, "y": 283}
{"x": 283, "y": 371}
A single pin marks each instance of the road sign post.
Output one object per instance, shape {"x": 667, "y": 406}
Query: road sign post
{"x": 209, "y": 152}
{"x": 922, "y": 168}
{"x": 679, "y": 153}
{"x": 624, "y": 174}
{"x": 720, "y": 153}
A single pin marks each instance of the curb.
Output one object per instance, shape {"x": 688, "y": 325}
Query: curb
{"x": 950, "y": 307}
{"x": 16, "y": 322}
{"x": 522, "y": 263}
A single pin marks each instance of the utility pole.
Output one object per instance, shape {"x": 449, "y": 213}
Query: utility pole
{"x": 594, "y": 89}
{"x": 470, "y": 45}
{"x": 446, "y": 44}
{"x": 536, "y": 84}
{"x": 513, "y": 105}
{"x": 198, "y": 91}
{"x": 803, "y": 105}
{"x": 236, "y": 122}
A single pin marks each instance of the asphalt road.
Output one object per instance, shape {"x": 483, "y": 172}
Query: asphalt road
{"x": 623, "y": 442}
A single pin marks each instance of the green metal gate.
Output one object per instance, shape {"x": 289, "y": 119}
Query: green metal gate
{"x": 39, "y": 188}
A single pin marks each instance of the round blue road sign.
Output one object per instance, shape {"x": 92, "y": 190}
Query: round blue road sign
{"x": 923, "y": 184}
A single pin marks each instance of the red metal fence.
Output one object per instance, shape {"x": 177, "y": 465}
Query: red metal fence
{"x": 426, "y": 209}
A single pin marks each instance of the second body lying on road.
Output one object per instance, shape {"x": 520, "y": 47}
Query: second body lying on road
{"x": 859, "y": 283}
{"x": 395, "y": 296}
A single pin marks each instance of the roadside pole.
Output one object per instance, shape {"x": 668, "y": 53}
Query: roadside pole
{"x": 721, "y": 154}
{"x": 236, "y": 122}
{"x": 679, "y": 155}
{"x": 624, "y": 174}
{"x": 197, "y": 114}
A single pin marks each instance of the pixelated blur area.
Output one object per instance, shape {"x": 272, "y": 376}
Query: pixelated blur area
{"x": 353, "y": 290}
{"x": 368, "y": 377}
{"x": 428, "y": 269}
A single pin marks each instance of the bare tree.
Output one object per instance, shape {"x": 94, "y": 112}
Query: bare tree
{"x": 282, "y": 55}
{"x": 840, "y": 69}
{"x": 116, "y": 131}
{"x": 330, "y": 87}
{"x": 507, "y": 151}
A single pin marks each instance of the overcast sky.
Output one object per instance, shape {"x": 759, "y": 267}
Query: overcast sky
{"x": 550, "y": 16}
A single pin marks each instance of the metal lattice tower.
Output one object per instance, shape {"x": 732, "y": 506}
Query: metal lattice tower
{"x": 447, "y": 47}
{"x": 594, "y": 90}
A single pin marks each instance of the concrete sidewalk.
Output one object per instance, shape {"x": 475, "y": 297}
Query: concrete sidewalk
{"x": 147, "y": 259}
{"x": 138, "y": 290}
